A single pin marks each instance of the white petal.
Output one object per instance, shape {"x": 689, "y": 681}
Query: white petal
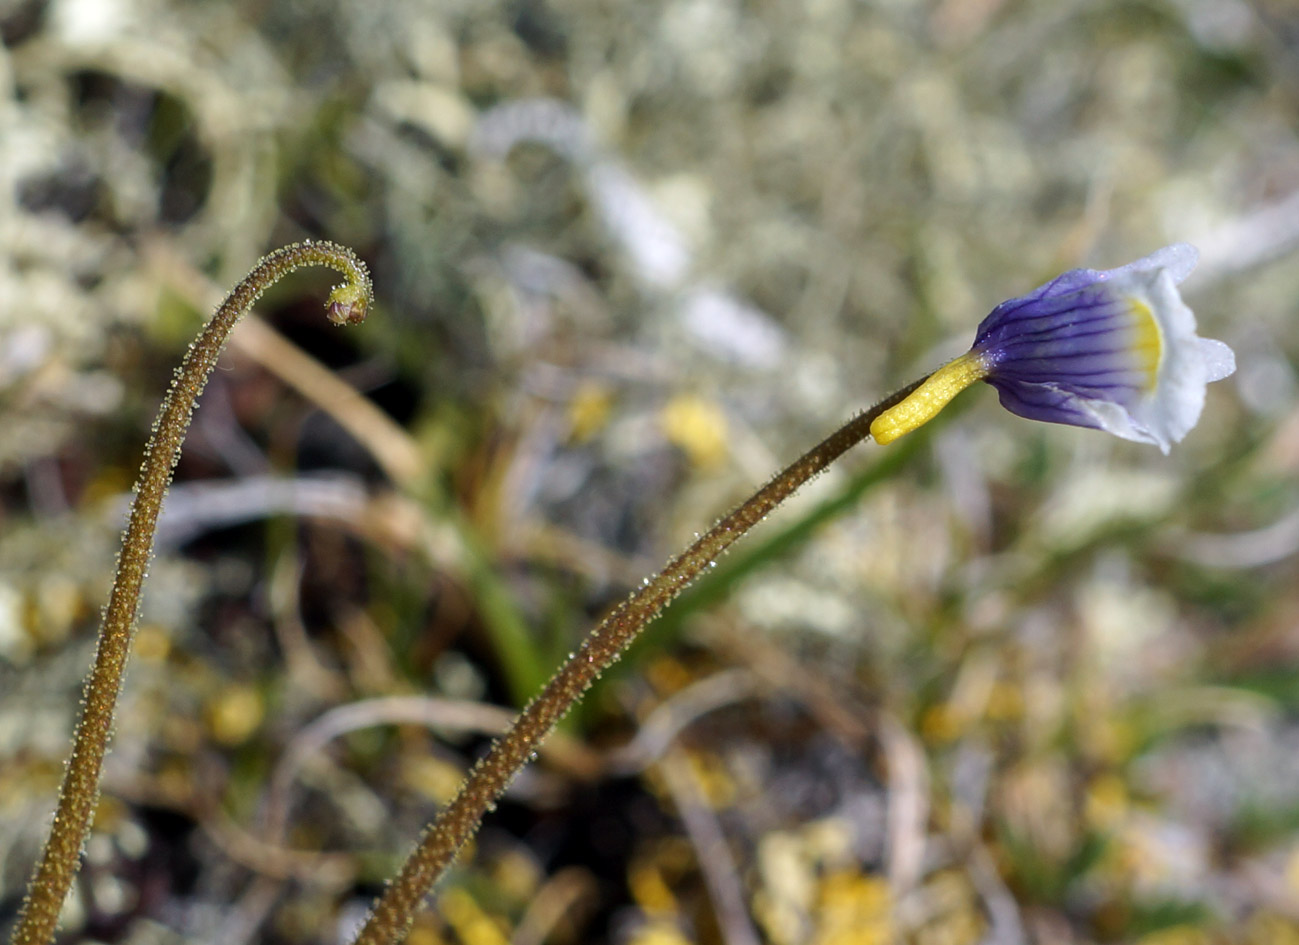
{"x": 1219, "y": 360}
{"x": 1115, "y": 419}
{"x": 1173, "y": 407}
{"x": 1178, "y": 259}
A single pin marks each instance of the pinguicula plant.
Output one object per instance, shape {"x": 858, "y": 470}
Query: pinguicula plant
{"x": 1113, "y": 350}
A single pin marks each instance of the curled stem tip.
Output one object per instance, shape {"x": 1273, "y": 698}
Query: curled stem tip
{"x": 348, "y": 304}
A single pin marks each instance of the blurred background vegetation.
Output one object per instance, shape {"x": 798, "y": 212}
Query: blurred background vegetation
{"x": 1002, "y": 682}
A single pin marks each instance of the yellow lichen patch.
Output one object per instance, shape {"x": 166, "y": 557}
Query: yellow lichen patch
{"x": 517, "y": 875}
{"x": 436, "y": 779}
{"x": 668, "y": 675}
{"x": 782, "y": 904}
{"x": 830, "y": 843}
{"x": 651, "y": 877}
{"x": 1106, "y": 736}
{"x": 152, "y": 645}
{"x": 924, "y": 403}
{"x": 698, "y": 427}
{"x": 940, "y": 724}
{"x": 854, "y": 910}
{"x": 108, "y": 485}
{"x": 424, "y": 933}
{"x": 472, "y": 925}
{"x": 109, "y": 813}
{"x": 658, "y": 933}
{"x": 1271, "y": 929}
{"x": 16, "y": 637}
{"x": 956, "y": 916}
{"x": 1292, "y": 873}
{"x": 1177, "y": 935}
{"x": 1005, "y": 702}
{"x": 1106, "y": 801}
{"x": 650, "y": 889}
{"x": 234, "y": 714}
{"x": 789, "y": 903}
{"x": 175, "y": 779}
{"x": 589, "y": 410}
{"x": 59, "y": 604}
{"x": 714, "y": 781}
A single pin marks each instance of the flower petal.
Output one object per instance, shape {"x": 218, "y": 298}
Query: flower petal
{"x": 1219, "y": 359}
{"x": 1178, "y": 260}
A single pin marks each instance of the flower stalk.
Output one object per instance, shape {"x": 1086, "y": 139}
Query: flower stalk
{"x": 393, "y": 913}
{"x": 347, "y": 304}
{"x": 1115, "y": 350}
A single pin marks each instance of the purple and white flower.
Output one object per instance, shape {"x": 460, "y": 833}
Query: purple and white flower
{"x": 1115, "y": 350}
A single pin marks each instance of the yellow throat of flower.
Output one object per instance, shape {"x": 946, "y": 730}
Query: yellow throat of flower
{"x": 924, "y": 403}
{"x": 1147, "y": 341}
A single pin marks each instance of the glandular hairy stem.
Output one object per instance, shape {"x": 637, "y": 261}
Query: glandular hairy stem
{"x": 348, "y": 304}
{"x": 393, "y": 913}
